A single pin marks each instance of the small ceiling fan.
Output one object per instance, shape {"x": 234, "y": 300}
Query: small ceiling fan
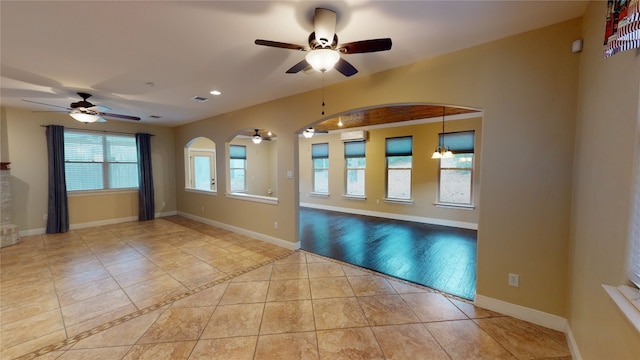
{"x": 323, "y": 49}
{"x": 86, "y": 112}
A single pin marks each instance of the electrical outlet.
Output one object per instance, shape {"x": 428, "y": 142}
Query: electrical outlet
{"x": 202, "y": 208}
{"x": 164, "y": 204}
{"x": 45, "y": 217}
{"x": 514, "y": 280}
{"x": 275, "y": 224}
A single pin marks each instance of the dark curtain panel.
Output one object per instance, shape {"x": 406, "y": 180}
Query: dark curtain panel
{"x": 146, "y": 196}
{"x": 58, "y": 208}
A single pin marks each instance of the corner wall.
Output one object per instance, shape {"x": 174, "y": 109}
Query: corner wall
{"x": 608, "y": 115}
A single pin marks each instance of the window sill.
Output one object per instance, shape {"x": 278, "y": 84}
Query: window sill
{"x": 398, "y": 201}
{"x": 354, "y": 197}
{"x": 200, "y": 191}
{"x": 317, "y": 194}
{"x": 454, "y": 206}
{"x": 627, "y": 308}
{"x": 253, "y": 198}
{"x": 100, "y": 192}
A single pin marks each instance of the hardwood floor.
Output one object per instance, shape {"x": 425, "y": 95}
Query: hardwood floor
{"x": 440, "y": 257}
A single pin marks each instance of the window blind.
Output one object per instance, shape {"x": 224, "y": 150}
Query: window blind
{"x": 354, "y": 149}
{"x": 634, "y": 231}
{"x": 459, "y": 142}
{"x": 400, "y": 146}
{"x": 238, "y": 152}
{"x": 319, "y": 151}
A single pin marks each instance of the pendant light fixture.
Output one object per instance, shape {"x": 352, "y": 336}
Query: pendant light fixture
{"x": 308, "y": 133}
{"x": 442, "y": 151}
{"x": 256, "y": 138}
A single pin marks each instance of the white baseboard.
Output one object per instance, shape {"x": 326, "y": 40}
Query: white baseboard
{"x": 523, "y": 313}
{"x": 266, "y": 238}
{"x": 419, "y": 219}
{"x": 573, "y": 345}
{"x": 40, "y": 231}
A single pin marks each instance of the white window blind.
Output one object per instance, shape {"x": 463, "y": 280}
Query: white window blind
{"x": 634, "y": 233}
{"x": 100, "y": 161}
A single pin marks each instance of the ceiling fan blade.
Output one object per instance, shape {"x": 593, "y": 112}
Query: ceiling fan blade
{"x": 98, "y": 108}
{"x": 345, "y": 68}
{"x": 365, "y": 46}
{"x": 324, "y": 23}
{"x": 36, "y": 102}
{"x": 280, "y": 45}
{"x": 298, "y": 67}
{"x": 126, "y": 117}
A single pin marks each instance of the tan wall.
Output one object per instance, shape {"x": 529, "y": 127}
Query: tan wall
{"x": 424, "y": 172}
{"x": 526, "y": 86}
{"x": 27, "y": 151}
{"x": 607, "y": 114}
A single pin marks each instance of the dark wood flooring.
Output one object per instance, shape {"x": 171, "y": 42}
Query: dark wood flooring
{"x": 440, "y": 257}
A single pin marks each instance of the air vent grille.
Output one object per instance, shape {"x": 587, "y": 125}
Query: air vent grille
{"x": 199, "y": 98}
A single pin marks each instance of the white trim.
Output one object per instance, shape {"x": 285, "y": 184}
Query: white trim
{"x": 266, "y": 238}
{"x": 573, "y": 345}
{"x": 537, "y": 317}
{"x": 420, "y": 219}
{"x": 627, "y": 308}
{"x": 201, "y": 191}
{"x": 255, "y": 198}
{"x": 40, "y": 231}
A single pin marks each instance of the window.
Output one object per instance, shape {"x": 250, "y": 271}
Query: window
{"x": 200, "y": 164}
{"x": 634, "y": 236}
{"x": 320, "y": 157}
{"x": 100, "y": 161}
{"x": 399, "y": 164}
{"x": 237, "y": 168}
{"x": 456, "y": 173}
{"x": 355, "y": 162}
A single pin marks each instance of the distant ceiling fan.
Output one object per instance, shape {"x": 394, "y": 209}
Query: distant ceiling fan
{"x": 324, "y": 51}
{"x": 86, "y": 112}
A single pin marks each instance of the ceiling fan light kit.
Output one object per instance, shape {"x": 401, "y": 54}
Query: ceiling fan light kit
{"x": 323, "y": 49}
{"x": 84, "y": 117}
{"x": 256, "y": 138}
{"x": 442, "y": 151}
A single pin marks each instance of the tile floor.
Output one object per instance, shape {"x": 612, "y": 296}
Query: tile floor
{"x": 173, "y": 288}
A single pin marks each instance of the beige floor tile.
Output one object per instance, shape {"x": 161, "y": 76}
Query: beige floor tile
{"x": 351, "y": 270}
{"x": 348, "y": 344}
{"x": 324, "y": 269}
{"x": 206, "y": 297}
{"x": 410, "y": 341}
{"x": 236, "y": 348}
{"x": 136, "y": 276}
{"x": 295, "y": 258}
{"x": 525, "y": 340}
{"x": 153, "y": 287}
{"x": 88, "y": 324}
{"x": 92, "y": 307}
{"x": 179, "y": 350}
{"x": 27, "y": 309}
{"x": 70, "y": 281}
{"x": 406, "y": 288}
{"x": 287, "y": 316}
{"x": 292, "y": 289}
{"x": 107, "y": 353}
{"x": 433, "y": 307}
{"x": 472, "y": 311}
{"x": 31, "y": 328}
{"x": 131, "y": 265}
{"x": 118, "y": 256}
{"x": 32, "y": 291}
{"x": 126, "y": 333}
{"x": 330, "y": 287}
{"x": 34, "y": 344}
{"x": 18, "y": 282}
{"x": 192, "y": 276}
{"x": 86, "y": 291}
{"x": 338, "y": 313}
{"x": 387, "y": 310}
{"x": 234, "y": 320}
{"x": 260, "y": 274}
{"x": 178, "y": 324}
{"x": 245, "y": 293}
{"x": 477, "y": 344}
{"x": 302, "y": 345}
{"x": 289, "y": 271}
{"x": 370, "y": 285}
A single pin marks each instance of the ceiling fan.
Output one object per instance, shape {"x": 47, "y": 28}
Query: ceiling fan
{"x": 323, "y": 49}
{"x": 86, "y": 112}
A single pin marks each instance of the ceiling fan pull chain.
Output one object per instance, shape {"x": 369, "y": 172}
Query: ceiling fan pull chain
{"x": 323, "y": 93}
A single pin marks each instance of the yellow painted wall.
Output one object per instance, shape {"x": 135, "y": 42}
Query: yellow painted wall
{"x": 27, "y": 151}
{"x": 424, "y": 172}
{"x": 608, "y": 113}
{"x": 527, "y": 87}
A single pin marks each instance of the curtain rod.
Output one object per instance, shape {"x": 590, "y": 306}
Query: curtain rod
{"x": 98, "y": 131}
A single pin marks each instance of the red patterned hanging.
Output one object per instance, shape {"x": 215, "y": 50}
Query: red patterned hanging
{"x": 622, "y": 30}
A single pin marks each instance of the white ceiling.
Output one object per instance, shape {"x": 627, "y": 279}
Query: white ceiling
{"x": 50, "y": 50}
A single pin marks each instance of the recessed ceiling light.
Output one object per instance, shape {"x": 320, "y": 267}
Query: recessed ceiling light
{"x": 215, "y": 92}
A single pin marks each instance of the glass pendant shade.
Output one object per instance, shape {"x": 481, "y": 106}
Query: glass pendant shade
{"x": 322, "y": 59}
